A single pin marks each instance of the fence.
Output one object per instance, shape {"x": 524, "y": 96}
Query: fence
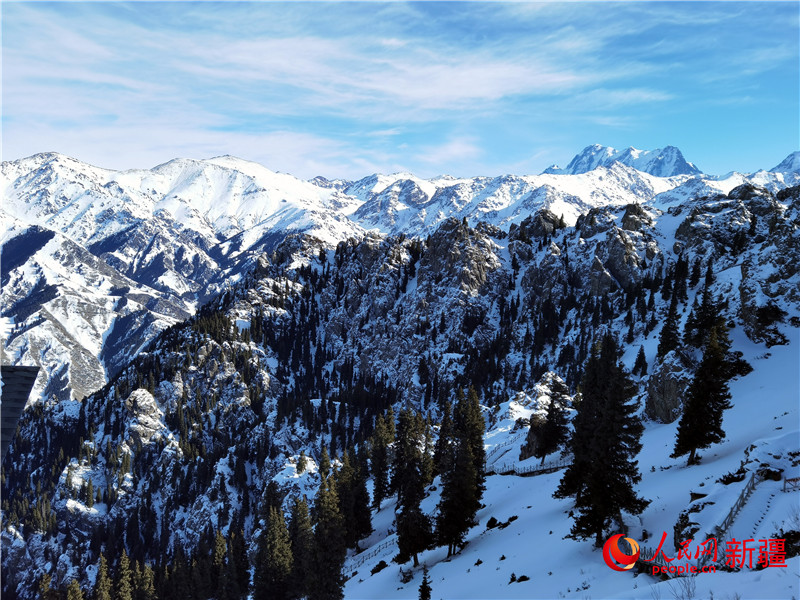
{"x": 529, "y": 470}
{"x": 648, "y": 558}
{"x": 364, "y": 557}
{"x": 721, "y": 529}
{"x": 494, "y": 451}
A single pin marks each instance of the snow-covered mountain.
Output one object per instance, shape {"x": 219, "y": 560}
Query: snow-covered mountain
{"x": 661, "y": 162}
{"x": 314, "y": 341}
{"x": 789, "y": 165}
{"x": 176, "y": 235}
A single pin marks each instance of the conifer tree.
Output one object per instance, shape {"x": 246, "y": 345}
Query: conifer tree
{"x": 553, "y": 432}
{"x": 124, "y": 584}
{"x": 707, "y": 398}
{"x": 425, "y": 586}
{"x": 238, "y": 563}
{"x": 469, "y": 428}
{"x": 74, "y": 591}
{"x": 102, "y": 585}
{"x": 379, "y": 447}
{"x": 326, "y": 582}
{"x": 460, "y": 500}
{"x": 363, "y": 521}
{"x": 605, "y": 428}
{"x": 640, "y": 366}
{"x": 345, "y": 486}
{"x": 669, "y": 338}
{"x": 274, "y": 560}
{"x": 44, "y": 587}
{"x": 441, "y": 451}
{"x": 301, "y": 537}
{"x": 324, "y": 462}
{"x": 463, "y": 474}
{"x": 413, "y": 526}
{"x": 146, "y": 589}
{"x": 220, "y": 566}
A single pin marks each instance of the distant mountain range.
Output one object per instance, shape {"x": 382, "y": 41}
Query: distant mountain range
{"x": 97, "y": 262}
{"x": 662, "y": 162}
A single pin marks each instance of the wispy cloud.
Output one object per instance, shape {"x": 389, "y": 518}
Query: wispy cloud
{"x": 316, "y": 88}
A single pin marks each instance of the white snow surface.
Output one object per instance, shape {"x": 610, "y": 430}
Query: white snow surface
{"x": 762, "y": 427}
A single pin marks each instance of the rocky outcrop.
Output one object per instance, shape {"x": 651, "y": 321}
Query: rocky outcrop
{"x": 666, "y": 389}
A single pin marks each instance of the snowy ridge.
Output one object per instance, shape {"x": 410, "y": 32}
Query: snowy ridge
{"x": 661, "y": 162}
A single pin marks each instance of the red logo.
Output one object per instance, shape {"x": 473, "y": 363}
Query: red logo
{"x": 611, "y": 549}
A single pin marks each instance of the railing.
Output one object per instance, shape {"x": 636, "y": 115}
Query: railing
{"x": 530, "y": 470}
{"x": 721, "y": 529}
{"x": 740, "y": 501}
{"x": 364, "y": 557}
{"x": 648, "y": 555}
{"x": 493, "y": 452}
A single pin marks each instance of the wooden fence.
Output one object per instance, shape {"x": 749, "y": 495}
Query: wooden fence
{"x": 365, "y": 556}
{"x": 529, "y": 470}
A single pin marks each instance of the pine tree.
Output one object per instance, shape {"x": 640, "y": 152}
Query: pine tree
{"x": 124, "y": 585}
{"x": 707, "y": 398}
{"x": 469, "y": 428}
{"x": 301, "y": 537}
{"x": 219, "y": 564}
{"x": 324, "y": 462}
{"x": 413, "y": 527}
{"x": 670, "y": 337}
{"x": 274, "y": 560}
{"x": 442, "y": 450}
{"x": 102, "y": 585}
{"x": 326, "y": 582}
{"x": 425, "y": 586}
{"x": 460, "y": 498}
{"x": 640, "y": 366}
{"x": 553, "y": 432}
{"x": 238, "y": 563}
{"x": 301, "y": 462}
{"x": 605, "y": 428}
{"x": 146, "y": 589}
{"x": 463, "y": 474}
{"x": 74, "y": 591}
{"x": 379, "y": 447}
{"x": 361, "y": 508}
{"x": 345, "y": 486}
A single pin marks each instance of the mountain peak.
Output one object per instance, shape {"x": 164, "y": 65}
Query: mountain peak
{"x": 661, "y": 162}
{"x": 790, "y": 164}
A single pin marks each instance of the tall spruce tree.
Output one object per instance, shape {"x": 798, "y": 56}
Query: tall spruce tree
{"x": 469, "y": 428}
{"x": 326, "y": 582}
{"x": 74, "y": 591}
{"x": 670, "y": 336}
{"x": 463, "y": 477}
{"x": 553, "y": 432}
{"x": 413, "y": 526}
{"x": 379, "y": 450}
{"x": 425, "y": 586}
{"x": 274, "y": 560}
{"x": 605, "y": 429}
{"x": 301, "y": 537}
{"x": 460, "y": 498}
{"x": 124, "y": 585}
{"x": 102, "y": 583}
{"x": 707, "y": 398}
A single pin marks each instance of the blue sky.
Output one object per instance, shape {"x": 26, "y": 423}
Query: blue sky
{"x": 348, "y": 89}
